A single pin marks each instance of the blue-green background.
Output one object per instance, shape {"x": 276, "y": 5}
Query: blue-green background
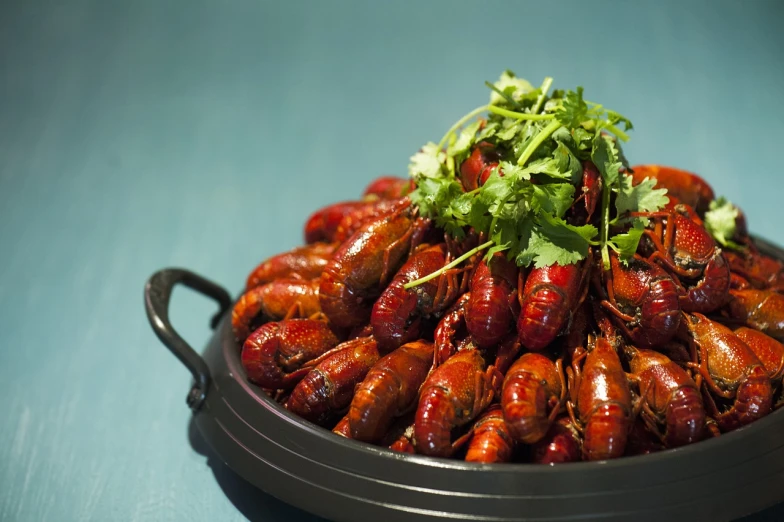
{"x": 142, "y": 134}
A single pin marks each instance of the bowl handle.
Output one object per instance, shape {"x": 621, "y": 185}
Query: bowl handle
{"x": 157, "y": 293}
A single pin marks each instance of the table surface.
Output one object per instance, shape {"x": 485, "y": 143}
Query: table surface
{"x": 146, "y": 134}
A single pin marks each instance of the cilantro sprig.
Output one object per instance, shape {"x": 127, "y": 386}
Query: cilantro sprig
{"x": 543, "y": 139}
{"x": 720, "y": 222}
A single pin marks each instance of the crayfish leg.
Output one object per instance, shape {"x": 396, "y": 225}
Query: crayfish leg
{"x": 609, "y": 306}
{"x": 447, "y": 330}
{"x": 575, "y": 422}
{"x": 294, "y": 311}
{"x": 485, "y": 384}
{"x": 520, "y": 286}
{"x": 574, "y": 378}
{"x": 555, "y": 408}
{"x": 507, "y": 352}
{"x": 642, "y": 399}
{"x": 462, "y": 440}
{"x": 559, "y": 405}
{"x": 447, "y": 288}
{"x": 710, "y": 404}
{"x": 649, "y": 418}
{"x": 712, "y": 428}
{"x": 669, "y": 264}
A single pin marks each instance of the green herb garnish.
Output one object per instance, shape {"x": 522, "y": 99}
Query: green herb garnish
{"x": 720, "y": 222}
{"x": 543, "y": 139}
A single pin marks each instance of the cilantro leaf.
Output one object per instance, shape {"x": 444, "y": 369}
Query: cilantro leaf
{"x": 549, "y": 166}
{"x": 626, "y": 244}
{"x": 560, "y": 231}
{"x": 433, "y": 194}
{"x": 525, "y": 137}
{"x": 583, "y": 139}
{"x": 568, "y": 162}
{"x": 512, "y": 86}
{"x": 574, "y": 111}
{"x": 461, "y": 205}
{"x": 639, "y": 198}
{"x": 542, "y": 252}
{"x": 564, "y": 135}
{"x": 479, "y": 217}
{"x": 720, "y": 221}
{"x": 513, "y": 171}
{"x": 512, "y": 128}
{"x": 495, "y": 189}
{"x": 536, "y": 248}
{"x": 427, "y": 162}
{"x": 504, "y": 237}
{"x": 466, "y": 139}
{"x": 614, "y": 118}
{"x": 488, "y": 132}
{"x": 498, "y": 247}
{"x": 554, "y": 198}
{"x": 553, "y": 241}
{"x": 606, "y": 158}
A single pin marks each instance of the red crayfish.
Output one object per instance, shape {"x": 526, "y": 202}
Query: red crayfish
{"x": 533, "y": 393}
{"x": 389, "y": 390}
{"x": 600, "y": 394}
{"x": 642, "y": 300}
{"x": 452, "y": 396}
{"x": 279, "y": 354}
{"x": 549, "y": 296}
{"x": 306, "y": 262}
{"x": 490, "y": 438}
{"x": 689, "y": 252}
{"x": 670, "y": 397}
{"x": 356, "y": 275}
{"x": 279, "y": 300}
{"x": 762, "y": 310}
{"x": 731, "y": 370}
{"x": 327, "y": 389}
{"x": 487, "y": 312}
{"x": 395, "y": 317}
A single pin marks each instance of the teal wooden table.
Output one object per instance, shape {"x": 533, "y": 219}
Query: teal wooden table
{"x": 145, "y": 134}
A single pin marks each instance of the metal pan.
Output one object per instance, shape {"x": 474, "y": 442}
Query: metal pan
{"x": 304, "y": 465}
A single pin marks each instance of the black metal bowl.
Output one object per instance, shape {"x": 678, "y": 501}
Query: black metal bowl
{"x": 309, "y": 467}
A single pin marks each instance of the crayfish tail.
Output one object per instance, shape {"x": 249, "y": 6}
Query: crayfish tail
{"x": 435, "y": 418}
{"x": 754, "y": 400}
{"x": 606, "y": 432}
{"x": 524, "y": 401}
{"x": 685, "y": 417}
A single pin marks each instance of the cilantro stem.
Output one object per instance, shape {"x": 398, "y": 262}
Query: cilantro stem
{"x": 538, "y": 140}
{"x": 606, "y": 189}
{"x": 597, "y": 108}
{"x": 447, "y": 266}
{"x": 494, "y": 222}
{"x": 618, "y": 132}
{"x": 460, "y": 123}
{"x": 450, "y": 160}
{"x": 519, "y": 115}
{"x": 546, "y": 84}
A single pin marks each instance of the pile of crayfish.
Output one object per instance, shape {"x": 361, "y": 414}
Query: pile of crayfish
{"x": 490, "y": 362}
